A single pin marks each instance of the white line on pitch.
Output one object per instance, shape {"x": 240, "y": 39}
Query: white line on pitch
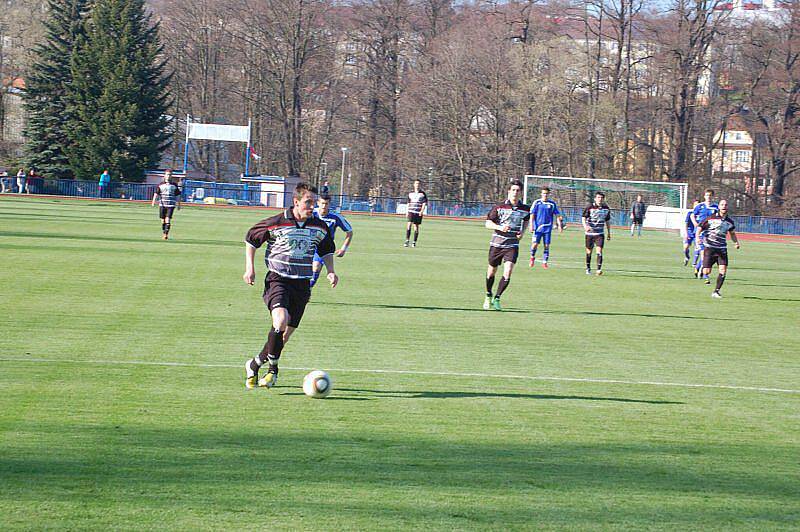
{"x": 412, "y": 372}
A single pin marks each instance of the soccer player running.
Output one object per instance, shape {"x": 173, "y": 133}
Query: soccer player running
{"x": 507, "y": 220}
{"x": 543, "y": 211}
{"x": 333, "y": 221}
{"x": 699, "y": 214}
{"x": 596, "y": 220}
{"x": 638, "y": 210}
{"x": 715, "y": 230}
{"x": 168, "y": 195}
{"x": 689, "y": 239}
{"x": 417, "y": 208}
{"x": 292, "y": 238}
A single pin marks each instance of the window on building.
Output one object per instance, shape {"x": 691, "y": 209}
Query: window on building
{"x": 738, "y": 135}
{"x": 742, "y": 156}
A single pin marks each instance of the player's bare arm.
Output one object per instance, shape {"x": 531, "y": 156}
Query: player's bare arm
{"x": 734, "y": 238}
{"x": 561, "y": 224}
{"x": 585, "y": 225}
{"x": 346, "y": 244}
{"x": 497, "y": 227}
{"x": 332, "y": 277}
{"x": 608, "y": 229}
{"x": 249, "y": 264}
{"x": 155, "y": 197}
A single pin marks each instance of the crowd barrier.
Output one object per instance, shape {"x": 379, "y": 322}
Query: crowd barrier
{"x": 251, "y": 195}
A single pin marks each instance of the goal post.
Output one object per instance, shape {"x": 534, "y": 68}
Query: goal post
{"x": 620, "y": 193}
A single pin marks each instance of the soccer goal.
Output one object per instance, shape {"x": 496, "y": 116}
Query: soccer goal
{"x": 620, "y": 193}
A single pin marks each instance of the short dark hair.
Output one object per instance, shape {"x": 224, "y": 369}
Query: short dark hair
{"x": 325, "y": 197}
{"x": 709, "y": 191}
{"x": 545, "y": 189}
{"x": 601, "y": 194}
{"x": 303, "y": 187}
{"x": 417, "y": 181}
{"x": 516, "y": 182}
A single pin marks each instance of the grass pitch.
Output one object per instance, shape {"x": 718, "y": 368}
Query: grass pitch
{"x": 122, "y": 402}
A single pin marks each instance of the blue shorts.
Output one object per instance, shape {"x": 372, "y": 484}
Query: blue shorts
{"x": 543, "y": 235}
{"x": 689, "y": 238}
{"x": 699, "y": 243}
{"x": 317, "y": 258}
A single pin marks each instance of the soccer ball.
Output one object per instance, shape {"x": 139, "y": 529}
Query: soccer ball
{"x": 317, "y": 384}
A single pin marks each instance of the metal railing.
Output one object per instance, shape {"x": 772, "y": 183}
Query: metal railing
{"x": 252, "y": 195}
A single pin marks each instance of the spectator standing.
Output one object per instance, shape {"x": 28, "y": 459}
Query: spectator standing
{"x": 5, "y": 182}
{"x": 325, "y": 188}
{"x": 22, "y": 183}
{"x": 105, "y": 179}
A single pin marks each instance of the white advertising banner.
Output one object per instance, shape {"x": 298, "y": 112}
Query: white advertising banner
{"x": 218, "y": 132}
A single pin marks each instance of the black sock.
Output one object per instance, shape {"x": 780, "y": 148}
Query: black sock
{"x": 599, "y": 261}
{"x": 686, "y": 253}
{"x": 416, "y": 235}
{"x": 588, "y": 260}
{"x": 720, "y": 280}
{"x": 501, "y": 287}
{"x": 489, "y": 285}
{"x": 163, "y": 227}
{"x": 272, "y": 349}
{"x": 408, "y": 233}
{"x": 166, "y": 227}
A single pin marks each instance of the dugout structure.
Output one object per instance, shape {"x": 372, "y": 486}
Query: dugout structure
{"x": 666, "y": 202}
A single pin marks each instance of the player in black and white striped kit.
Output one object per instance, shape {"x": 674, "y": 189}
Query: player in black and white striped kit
{"x": 417, "y": 207}
{"x": 169, "y": 197}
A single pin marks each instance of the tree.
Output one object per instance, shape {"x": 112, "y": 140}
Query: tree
{"x": 46, "y": 88}
{"x": 118, "y": 100}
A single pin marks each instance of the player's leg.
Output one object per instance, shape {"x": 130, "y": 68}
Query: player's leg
{"x": 508, "y": 268}
{"x": 723, "y": 270}
{"x": 490, "y": 273}
{"x": 639, "y": 228}
{"x": 546, "y": 240}
{"x": 599, "y": 259}
{"x": 167, "y": 222}
{"x": 408, "y": 233}
{"x": 589, "y": 247}
{"x": 535, "y": 240}
{"x": 633, "y": 226}
{"x": 416, "y": 235}
{"x": 316, "y": 269}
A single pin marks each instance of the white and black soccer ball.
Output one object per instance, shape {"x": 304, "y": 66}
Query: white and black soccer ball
{"x": 317, "y": 384}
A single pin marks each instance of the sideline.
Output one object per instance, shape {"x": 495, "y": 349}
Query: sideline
{"x": 410, "y": 372}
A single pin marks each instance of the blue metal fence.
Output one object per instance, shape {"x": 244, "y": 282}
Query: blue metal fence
{"x": 250, "y": 194}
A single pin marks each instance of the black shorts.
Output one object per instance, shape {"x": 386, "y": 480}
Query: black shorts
{"x": 165, "y": 212}
{"x": 497, "y": 256}
{"x": 638, "y": 221}
{"x": 414, "y": 218}
{"x": 291, "y": 294}
{"x": 713, "y": 256}
{"x": 595, "y": 240}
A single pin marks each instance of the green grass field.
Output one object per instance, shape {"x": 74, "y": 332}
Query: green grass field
{"x": 632, "y": 400}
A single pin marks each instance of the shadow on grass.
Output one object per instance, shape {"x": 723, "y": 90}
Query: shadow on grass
{"x": 156, "y": 238}
{"x": 488, "y": 395}
{"x": 343, "y": 472}
{"x": 520, "y": 311}
{"x": 105, "y": 220}
{"x": 772, "y": 299}
{"x": 689, "y": 277}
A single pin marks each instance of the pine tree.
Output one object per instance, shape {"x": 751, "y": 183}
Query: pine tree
{"x": 119, "y": 95}
{"x": 46, "y": 83}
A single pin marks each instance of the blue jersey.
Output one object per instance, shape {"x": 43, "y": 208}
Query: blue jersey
{"x": 703, "y": 211}
{"x": 542, "y": 214}
{"x": 334, "y": 221}
{"x": 689, "y": 224}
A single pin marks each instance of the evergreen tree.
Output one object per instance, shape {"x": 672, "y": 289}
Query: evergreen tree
{"x": 119, "y": 96}
{"x": 46, "y": 83}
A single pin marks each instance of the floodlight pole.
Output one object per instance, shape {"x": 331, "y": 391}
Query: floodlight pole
{"x": 247, "y": 150}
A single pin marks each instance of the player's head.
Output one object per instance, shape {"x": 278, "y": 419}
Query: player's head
{"x": 514, "y": 190}
{"x": 638, "y": 197}
{"x": 304, "y": 197}
{"x": 723, "y": 207}
{"x": 324, "y": 204}
{"x": 416, "y": 185}
{"x": 545, "y": 193}
{"x": 599, "y": 198}
{"x": 709, "y": 194}
{"x": 167, "y": 175}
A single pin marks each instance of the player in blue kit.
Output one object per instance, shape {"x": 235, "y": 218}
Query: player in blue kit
{"x": 699, "y": 214}
{"x": 543, "y": 212}
{"x": 333, "y": 221}
{"x": 688, "y": 239}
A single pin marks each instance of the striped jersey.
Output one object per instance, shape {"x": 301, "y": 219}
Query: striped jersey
{"x": 168, "y": 194}
{"x": 291, "y": 244}
{"x": 543, "y": 213}
{"x": 334, "y": 221}
{"x": 416, "y": 201}
{"x": 715, "y": 230}
{"x": 596, "y": 218}
{"x": 515, "y": 216}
